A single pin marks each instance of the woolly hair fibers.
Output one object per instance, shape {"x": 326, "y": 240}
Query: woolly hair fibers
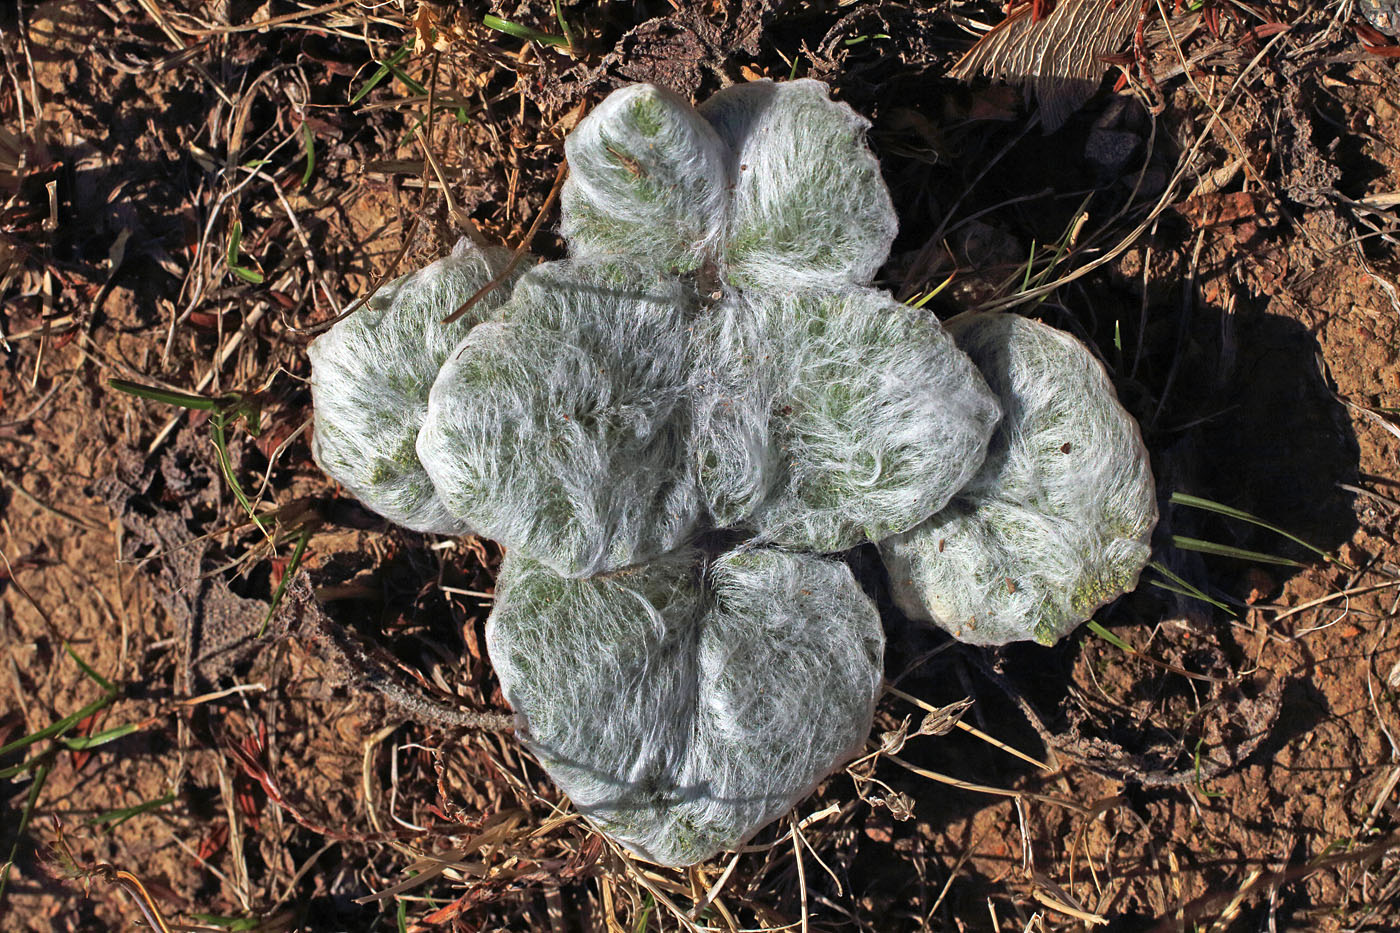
{"x": 831, "y": 417}
{"x": 683, "y": 708}
{"x": 809, "y": 205}
{"x": 370, "y": 377}
{"x": 648, "y": 182}
{"x": 560, "y": 430}
{"x": 770, "y": 182}
{"x": 1058, "y": 521}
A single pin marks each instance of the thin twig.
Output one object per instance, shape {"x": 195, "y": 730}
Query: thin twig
{"x": 267, "y": 23}
{"x": 519, "y": 250}
{"x": 1340, "y": 594}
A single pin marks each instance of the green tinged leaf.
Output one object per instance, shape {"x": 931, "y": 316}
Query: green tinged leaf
{"x": 87, "y": 669}
{"x": 492, "y": 21}
{"x": 287, "y": 575}
{"x": 309, "y": 141}
{"x": 385, "y": 68}
{"x": 1184, "y": 588}
{"x": 85, "y": 742}
{"x": 59, "y": 727}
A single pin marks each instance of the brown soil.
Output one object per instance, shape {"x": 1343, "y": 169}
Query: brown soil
{"x": 281, "y": 780}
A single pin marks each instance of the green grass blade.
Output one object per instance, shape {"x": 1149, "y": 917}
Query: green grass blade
{"x": 648, "y": 905}
{"x": 1122, "y": 645}
{"x": 1109, "y": 637}
{"x": 564, "y": 24}
{"x": 85, "y": 742}
{"x": 309, "y": 139}
{"x": 523, "y": 32}
{"x": 1219, "y": 508}
{"x": 1030, "y": 264}
{"x": 417, "y": 124}
{"x": 230, "y": 477}
{"x": 30, "y": 802}
{"x": 1062, "y": 248}
{"x": 23, "y": 766}
{"x": 116, "y": 817}
{"x": 59, "y": 727}
{"x": 383, "y": 71}
{"x": 235, "y": 244}
{"x": 412, "y": 85}
{"x": 233, "y": 254}
{"x": 251, "y": 276}
{"x": 857, "y": 40}
{"x": 933, "y": 294}
{"x": 249, "y": 408}
{"x": 292, "y": 564}
{"x": 1225, "y": 550}
{"x": 1184, "y": 588}
{"x": 1200, "y": 783}
{"x": 1182, "y": 591}
{"x": 168, "y": 396}
{"x": 97, "y": 678}
{"x": 380, "y": 74}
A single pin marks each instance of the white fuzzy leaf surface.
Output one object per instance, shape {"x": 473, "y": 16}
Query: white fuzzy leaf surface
{"x": 561, "y": 430}
{"x": 809, "y": 205}
{"x": 1058, "y": 522}
{"x": 648, "y": 182}
{"x": 370, "y": 376}
{"x": 682, "y": 709}
{"x": 828, "y": 418}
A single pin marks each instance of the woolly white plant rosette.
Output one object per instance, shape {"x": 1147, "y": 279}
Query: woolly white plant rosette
{"x": 1058, "y": 521}
{"x": 684, "y": 707}
{"x": 713, "y": 354}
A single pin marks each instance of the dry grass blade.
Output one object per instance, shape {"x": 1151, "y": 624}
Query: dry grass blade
{"x": 971, "y": 730}
{"x": 649, "y": 883}
{"x": 1057, "y": 57}
{"x": 801, "y": 869}
{"x": 1054, "y": 897}
{"x": 713, "y": 891}
{"x": 1258, "y": 882}
{"x": 985, "y": 789}
{"x": 425, "y": 869}
{"x": 267, "y": 24}
{"x": 519, "y": 250}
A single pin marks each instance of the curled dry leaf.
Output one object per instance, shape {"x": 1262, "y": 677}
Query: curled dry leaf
{"x": 1058, "y": 58}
